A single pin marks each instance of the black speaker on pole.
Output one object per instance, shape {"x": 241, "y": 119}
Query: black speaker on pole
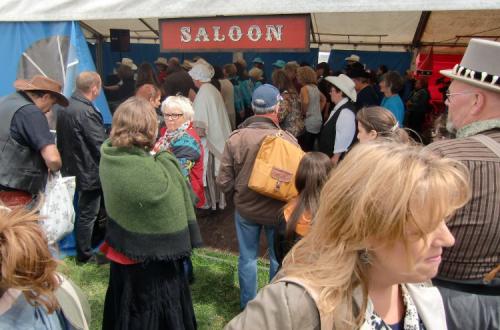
{"x": 120, "y": 40}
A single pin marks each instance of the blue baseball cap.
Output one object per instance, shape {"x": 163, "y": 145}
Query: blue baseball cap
{"x": 265, "y": 97}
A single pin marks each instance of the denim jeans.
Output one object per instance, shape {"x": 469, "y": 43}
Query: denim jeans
{"x": 248, "y": 233}
{"x": 89, "y": 203}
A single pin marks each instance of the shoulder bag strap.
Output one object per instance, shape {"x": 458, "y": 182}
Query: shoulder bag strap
{"x": 326, "y": 320}
{"x": 488, "y": 142}
{"x": 70, "y": 290}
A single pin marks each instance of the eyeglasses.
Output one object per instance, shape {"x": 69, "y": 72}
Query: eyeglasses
{"x": 173, "y": 116}
{"x": 449, "y": 95}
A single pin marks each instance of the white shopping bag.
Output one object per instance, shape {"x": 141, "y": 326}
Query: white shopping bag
{"x": 57, "y": 215}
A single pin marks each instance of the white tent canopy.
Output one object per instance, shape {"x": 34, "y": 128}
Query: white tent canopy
{"x": 339, "y": 24}
{"x": 57, "y": 10}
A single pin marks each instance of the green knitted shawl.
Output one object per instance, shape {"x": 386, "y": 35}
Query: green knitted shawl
{"x": 151, "y": 214}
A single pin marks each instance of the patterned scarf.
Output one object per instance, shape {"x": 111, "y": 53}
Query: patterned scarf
{"x": 169, "y": 137}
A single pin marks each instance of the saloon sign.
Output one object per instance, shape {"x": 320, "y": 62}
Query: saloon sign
{"x": 256, "y": 33}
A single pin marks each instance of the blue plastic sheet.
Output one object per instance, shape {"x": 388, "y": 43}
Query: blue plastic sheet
{"x": 57, "y": 49}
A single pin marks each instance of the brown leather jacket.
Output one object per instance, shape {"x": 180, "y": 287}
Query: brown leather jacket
{"x": 236, "y": 166}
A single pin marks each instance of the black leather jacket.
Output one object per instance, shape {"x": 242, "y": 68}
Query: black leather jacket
{"x": 80, "y": 134}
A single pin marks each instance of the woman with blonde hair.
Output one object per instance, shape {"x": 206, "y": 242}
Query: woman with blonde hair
{"x": 32, "y": 294}
{"x": 378, "y": 122}
{"x": 376, "y": 242}
{"x": 151, "y": 226}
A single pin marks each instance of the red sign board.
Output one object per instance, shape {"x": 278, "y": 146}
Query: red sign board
{"x": 255, "y": 33}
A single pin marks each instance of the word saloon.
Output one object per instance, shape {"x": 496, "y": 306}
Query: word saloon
{"x": 264, "y": 33}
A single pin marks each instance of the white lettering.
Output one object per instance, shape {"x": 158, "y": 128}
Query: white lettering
{"x": 254, "y": 33}
{"x": 273, "y": 31}
{"x": 185, "y": 34}
{"x": 202, "y": 34}
{"x": 218, "y": 37}
{"x": 235, "y": 33}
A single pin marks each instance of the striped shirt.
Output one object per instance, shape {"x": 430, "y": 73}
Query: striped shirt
{"x": 476, "y": 226}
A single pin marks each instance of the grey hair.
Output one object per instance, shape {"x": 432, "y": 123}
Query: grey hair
{"x": 179, "y": 102}
{"x": 263, "y": 111}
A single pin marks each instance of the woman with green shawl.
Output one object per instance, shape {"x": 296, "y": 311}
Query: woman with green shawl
{"x": 151, "y": 226}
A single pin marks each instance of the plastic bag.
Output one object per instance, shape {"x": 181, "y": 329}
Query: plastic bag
{"x": 57, "y": 213}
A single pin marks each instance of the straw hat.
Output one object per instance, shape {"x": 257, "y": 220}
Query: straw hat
{"x": 41, "y": 83}
{"x": 187, "y": 65}
{"x": 480, "y": 65}
{"x": 345, "y": 84}
{"x": 353, "y": 58}
{"x": 128, "y": 62}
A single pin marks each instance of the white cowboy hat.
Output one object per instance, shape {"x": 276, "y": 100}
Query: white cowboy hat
{"x": 161, "y": 60}
{"x": 480, "y": 65}
{"x": 345, "y": 84}
{"x": 354, "y": 58}
{"x": 128, "y": 62}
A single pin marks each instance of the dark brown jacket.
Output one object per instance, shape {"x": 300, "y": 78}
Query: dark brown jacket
{"x": 236, "y": 167}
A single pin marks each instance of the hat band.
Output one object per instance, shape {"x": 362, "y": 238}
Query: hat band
{"x": 481, "y": 76}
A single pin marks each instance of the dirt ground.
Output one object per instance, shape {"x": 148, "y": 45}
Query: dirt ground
{"x": 218, "y": 231}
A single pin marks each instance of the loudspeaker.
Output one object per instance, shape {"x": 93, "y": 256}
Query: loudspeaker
{"x": 120, "y": 40}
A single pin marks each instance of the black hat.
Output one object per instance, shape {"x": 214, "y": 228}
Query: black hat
{"x": 358, "y": 73}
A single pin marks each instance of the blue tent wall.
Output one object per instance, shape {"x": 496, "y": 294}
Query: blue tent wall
{"x": 17, "y": 37}
{"x": 149, "y": 53}
{"x": 398, "y": 61}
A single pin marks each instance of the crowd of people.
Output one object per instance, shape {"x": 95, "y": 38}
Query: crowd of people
{"x": 376, "y": 217}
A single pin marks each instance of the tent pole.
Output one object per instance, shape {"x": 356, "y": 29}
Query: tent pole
{"x": 99, "y": 56}
{"x": 419, "y": 32}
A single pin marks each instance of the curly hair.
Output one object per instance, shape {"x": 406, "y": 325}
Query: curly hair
{"x": 306, "y": 75}
{"x": 134, "y": 124}
{"x": 26, "y": 262}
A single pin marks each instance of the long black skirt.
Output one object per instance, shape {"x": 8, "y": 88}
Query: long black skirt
{"x": 148, "y": 296}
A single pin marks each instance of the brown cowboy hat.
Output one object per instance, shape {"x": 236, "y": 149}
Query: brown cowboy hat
{"x": 41, "y": 83}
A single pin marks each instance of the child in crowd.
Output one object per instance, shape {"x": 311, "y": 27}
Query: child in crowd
{"x": 32, "y": 294}
{"x": 297, "y": 217}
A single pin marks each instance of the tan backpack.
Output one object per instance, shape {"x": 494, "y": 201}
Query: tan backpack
{"x": 273, "y": 173}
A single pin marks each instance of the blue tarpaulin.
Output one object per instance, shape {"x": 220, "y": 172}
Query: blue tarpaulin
{"x": 55, "y": 49}
{"x": 149, "y": 53}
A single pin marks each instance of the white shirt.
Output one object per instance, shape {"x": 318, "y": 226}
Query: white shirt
{"x": 345, "y": 128}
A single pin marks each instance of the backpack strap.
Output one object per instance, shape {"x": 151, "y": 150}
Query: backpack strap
{"x": 326, "y": 320}
{"x": 73, "y": 304}
{"x": 488, "y": 142}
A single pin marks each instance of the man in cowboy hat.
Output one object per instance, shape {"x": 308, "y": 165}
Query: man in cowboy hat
{"x": 366, "y": 94}
{"x": 161, "y": 65}
{"x": 353, "y": 63}
{"x": 27, "y": 148}
{"x": 128, "y": 62}
{"x": 339, "y": 130}
{"x": 473, "y": 101}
